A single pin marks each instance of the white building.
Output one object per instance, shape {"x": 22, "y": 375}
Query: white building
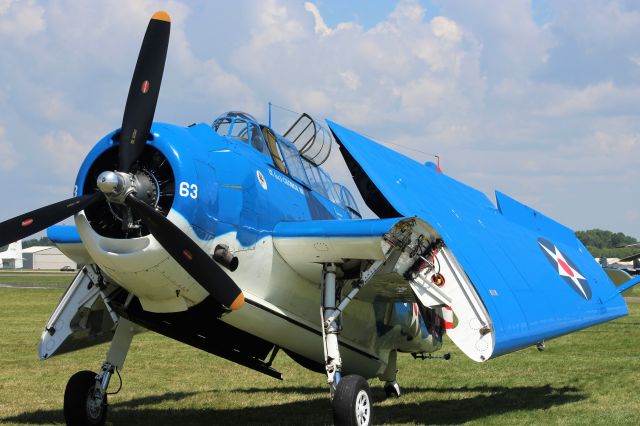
{"x": 12, "y": 257}
{"x": 42, "y": 257}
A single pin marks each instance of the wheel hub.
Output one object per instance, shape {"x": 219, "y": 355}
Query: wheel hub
{"x": 363, "y": 408}
{"x": 94, "y": 405}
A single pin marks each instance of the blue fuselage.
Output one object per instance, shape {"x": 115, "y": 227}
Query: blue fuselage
{"x": 225, "y": 185}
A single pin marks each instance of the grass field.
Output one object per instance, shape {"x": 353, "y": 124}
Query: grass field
{"x": 36, "y": 278}
{"x": 590, "y": 377}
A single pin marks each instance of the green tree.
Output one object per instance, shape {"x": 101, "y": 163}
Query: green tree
{"x": 603, "y": 243}
{"x": 42, "y": 241}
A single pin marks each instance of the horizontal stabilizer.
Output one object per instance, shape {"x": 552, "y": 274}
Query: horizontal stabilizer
{"x": 535, "y": 278}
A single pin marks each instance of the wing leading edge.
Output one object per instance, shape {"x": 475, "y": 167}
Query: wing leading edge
{"x": 535, "y": 278}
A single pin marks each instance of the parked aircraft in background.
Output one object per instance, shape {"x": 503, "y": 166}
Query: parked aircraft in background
{"x": 635, "y": 258}
{"x": 233, "y": 239}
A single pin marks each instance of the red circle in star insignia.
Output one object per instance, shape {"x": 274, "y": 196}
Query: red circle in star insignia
{"x": 144, "y": 88}
{"x": 566, "y": 267}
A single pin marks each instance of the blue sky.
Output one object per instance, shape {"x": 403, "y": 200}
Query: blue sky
{"x": 539, "y": 100}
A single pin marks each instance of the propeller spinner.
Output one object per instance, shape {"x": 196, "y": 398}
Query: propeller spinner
{"x": 124, "y": 188}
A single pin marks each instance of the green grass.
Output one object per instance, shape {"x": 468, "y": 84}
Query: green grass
{"x": 632, "y": 292}
{"x": 590, "y": 377}
{"x": 39, "y": 278}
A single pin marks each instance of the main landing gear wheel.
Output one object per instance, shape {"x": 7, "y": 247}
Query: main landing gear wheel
{"x": 352, "y": 402}
{"x": 81, "y": 404}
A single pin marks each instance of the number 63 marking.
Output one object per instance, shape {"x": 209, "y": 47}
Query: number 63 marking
{"x": 188, "y": 190}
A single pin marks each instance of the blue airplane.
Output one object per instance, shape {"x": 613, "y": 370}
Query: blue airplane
{"x": 233, "y": 239}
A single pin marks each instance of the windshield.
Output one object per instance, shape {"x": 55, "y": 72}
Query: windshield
{"x": 243, "y": 127}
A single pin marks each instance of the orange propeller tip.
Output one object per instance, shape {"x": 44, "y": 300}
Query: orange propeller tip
{"x": 237, "y": 304}
{"x": 161, "y": 15}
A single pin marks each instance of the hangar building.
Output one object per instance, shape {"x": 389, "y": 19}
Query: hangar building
{"x": 43, "y": 257}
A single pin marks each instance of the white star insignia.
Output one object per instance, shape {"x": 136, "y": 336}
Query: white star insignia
{"x": 564, "y": 269}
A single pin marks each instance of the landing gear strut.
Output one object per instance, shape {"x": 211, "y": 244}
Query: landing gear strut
{"x": 85, "y": 397}
{"x": 351, "y": 396}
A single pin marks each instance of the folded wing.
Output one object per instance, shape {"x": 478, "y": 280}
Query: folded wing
{"x": 535, "y": 278}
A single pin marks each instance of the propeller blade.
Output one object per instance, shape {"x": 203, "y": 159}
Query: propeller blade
{"x": 189, "y": 255}
{"x": 29, "y": 223}
{"x": 144, "y": 90}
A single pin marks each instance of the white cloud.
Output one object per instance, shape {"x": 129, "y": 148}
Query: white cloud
{"x": 320, "y": 26}
{"x": 63, "y": 151}
{"x": 407, "y": 11}
{"x": 599, "y": 98}
{"x": 613, "y": 144}
{"x": 351, "y": 79}
{"x": 514, "y": 46}
{"x": 7, "y": 153}
{"x": 20, "y": 19}
{"x": 275, "y": 25}
{"x": 446, "y": 29}
{"x": 540, "y": 111}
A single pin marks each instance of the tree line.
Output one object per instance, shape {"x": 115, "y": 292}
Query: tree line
{"x": 601, "y": 243}
{"x": 42, "y": 241}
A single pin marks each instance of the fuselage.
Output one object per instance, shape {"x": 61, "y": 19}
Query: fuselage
{"x": 225, "y": 189}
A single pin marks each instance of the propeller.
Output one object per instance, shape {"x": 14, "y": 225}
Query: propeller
{"x": 144, "y": 90}
{"x": 35, "y": 221}
{"x": 120, "y": 187}
{"x": 189, "y": 255}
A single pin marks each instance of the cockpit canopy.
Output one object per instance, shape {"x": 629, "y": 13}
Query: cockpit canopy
{"x": 311, "y": 138}
{"x": 300, "y": 158}
{"x": 239, "y": 114}
{"x": 242, "y": 126}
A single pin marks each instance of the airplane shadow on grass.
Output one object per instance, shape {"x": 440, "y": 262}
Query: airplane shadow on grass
{"x": 315, "y": 408}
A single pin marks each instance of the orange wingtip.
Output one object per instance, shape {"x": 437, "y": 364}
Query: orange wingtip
{"x": 161, "y": 15}
{"x": 237, "y": 304}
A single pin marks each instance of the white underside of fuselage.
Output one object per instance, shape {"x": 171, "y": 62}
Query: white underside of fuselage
{"x": 281, "y": 306}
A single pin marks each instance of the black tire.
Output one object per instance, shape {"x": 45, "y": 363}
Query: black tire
{"x": 392, "y": 390}
{"x": 76, "y": 397}
{"x": 352, "y": 403}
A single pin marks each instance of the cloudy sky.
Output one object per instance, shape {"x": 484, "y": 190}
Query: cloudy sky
{"x": 538, "y": 99}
